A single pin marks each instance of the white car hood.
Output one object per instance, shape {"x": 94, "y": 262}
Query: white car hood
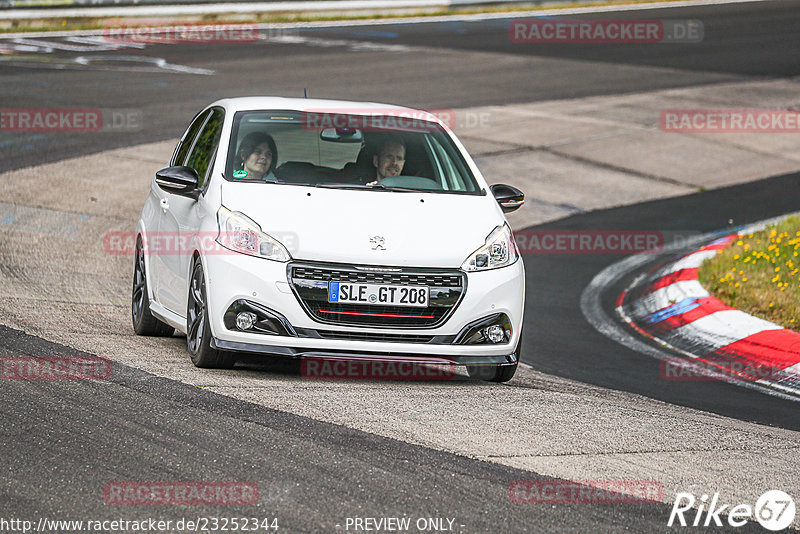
{"x": 337, "y": 225}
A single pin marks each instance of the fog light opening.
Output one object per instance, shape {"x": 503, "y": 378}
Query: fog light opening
{"x": 245, "y": 320}
{"x": 494, "y": 333}
{"x": 245, "y": 316}
{"x": 490, "y": 330}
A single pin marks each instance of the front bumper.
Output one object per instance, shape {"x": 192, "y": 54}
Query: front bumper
{"x": 232, "y": 277}
{"x": 290, "y": 352}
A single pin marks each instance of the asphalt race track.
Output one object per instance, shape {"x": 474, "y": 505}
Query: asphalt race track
{"x": 138, "y": 429}
{"x": 63, "y": 441}
{"x": 590, "y": 357}
{"x": 424, "y": 74}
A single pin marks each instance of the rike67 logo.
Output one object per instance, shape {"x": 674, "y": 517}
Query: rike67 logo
{"x": 774, "y": 510}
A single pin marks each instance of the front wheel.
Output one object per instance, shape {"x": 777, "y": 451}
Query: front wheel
{"x": 496, "y": 373}
{"x": 492, "y": 373}
{"x": 198, "y": 331}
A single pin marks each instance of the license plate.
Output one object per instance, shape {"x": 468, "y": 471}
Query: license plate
{"x": 378, "y": 294}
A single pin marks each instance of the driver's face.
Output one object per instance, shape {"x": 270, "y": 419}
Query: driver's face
{"x": 259, "y": 161}
{"x": 390, "y": 161}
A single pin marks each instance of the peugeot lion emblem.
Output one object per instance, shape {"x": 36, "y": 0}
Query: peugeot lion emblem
{"x": 377, "y": 242}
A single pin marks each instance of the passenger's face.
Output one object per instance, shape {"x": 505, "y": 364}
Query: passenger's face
{"x": 259, "y": 161}
{"x": 390, "y": 161}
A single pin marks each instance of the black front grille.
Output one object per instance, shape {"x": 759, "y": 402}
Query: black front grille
{"x": 376, "y": 277}
{"x": 367, "y": 336}
{"x": 310, "y": 285}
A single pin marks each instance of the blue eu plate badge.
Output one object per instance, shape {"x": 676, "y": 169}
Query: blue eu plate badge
{"x": 333, "y": 292}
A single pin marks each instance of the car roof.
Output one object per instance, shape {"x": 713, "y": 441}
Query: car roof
{"x": 252, "y": 103}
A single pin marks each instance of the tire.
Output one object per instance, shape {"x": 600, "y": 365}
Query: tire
{"x": 144, "y": 323}
{"x": 492, "y": 373}
{"x": 496, "y": 373}
{"x": 198, "y": 332}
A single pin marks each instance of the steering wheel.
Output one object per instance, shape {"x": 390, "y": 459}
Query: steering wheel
{"x": 411, "y": 182}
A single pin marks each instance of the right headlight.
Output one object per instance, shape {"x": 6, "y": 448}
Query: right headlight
{"x": 240, "y": 233}
{"x": 499, "y": 251}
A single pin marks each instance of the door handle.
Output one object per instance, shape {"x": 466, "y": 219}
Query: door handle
{"x": 164, "y": 204}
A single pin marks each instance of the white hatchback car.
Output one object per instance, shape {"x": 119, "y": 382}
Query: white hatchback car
{"x": 328, "y": 229}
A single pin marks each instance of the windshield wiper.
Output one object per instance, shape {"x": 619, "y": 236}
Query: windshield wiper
{"x": 254, "y": 181}
{"x": 367, "y": 187}
{"x": 343, "y": 186}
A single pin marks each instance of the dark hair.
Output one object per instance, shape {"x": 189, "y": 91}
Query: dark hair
{"x": 249, "y": 144}
{"x": 391, "y": 139}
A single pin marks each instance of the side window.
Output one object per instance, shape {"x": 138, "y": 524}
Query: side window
{"x": 453, "y": 171}
{"x": 186, "y": 143}
{"x": 206, "y": 145}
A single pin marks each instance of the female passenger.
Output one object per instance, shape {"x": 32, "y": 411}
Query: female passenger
{"x": 257, "y": 157}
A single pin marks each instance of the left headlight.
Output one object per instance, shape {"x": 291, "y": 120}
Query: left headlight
{"x": 240, "y": 233}
{"x": 499, "y": 251}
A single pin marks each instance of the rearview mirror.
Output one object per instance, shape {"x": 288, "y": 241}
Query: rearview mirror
{"x": 510, "y": 198}
{"x": 341, "y": 135}
{"x": 179, "y": 180}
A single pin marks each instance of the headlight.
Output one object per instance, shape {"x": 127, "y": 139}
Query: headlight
{"x": 240, "y": 233}
{"x": 498, "y": 251}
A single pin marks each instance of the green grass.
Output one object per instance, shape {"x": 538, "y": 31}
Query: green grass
{"x": 758, "y": 274}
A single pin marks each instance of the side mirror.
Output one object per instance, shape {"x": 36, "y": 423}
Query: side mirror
{"x": 510, "y": 198}
{"x": 179, "y": 180}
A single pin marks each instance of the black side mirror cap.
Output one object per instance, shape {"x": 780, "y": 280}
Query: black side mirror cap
{"x": 510, "y": 198}
{"x": 179, "y": 180}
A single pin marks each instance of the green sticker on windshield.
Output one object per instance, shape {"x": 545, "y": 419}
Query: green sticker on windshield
{"x": 240, "y": 174}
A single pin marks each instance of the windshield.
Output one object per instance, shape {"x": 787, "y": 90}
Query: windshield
{"x": 346, "y": 151}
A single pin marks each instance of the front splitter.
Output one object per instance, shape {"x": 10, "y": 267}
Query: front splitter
{"x": 292, "y": 352}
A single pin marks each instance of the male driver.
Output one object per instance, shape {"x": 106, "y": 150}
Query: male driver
{"x": 389, "y": 158}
